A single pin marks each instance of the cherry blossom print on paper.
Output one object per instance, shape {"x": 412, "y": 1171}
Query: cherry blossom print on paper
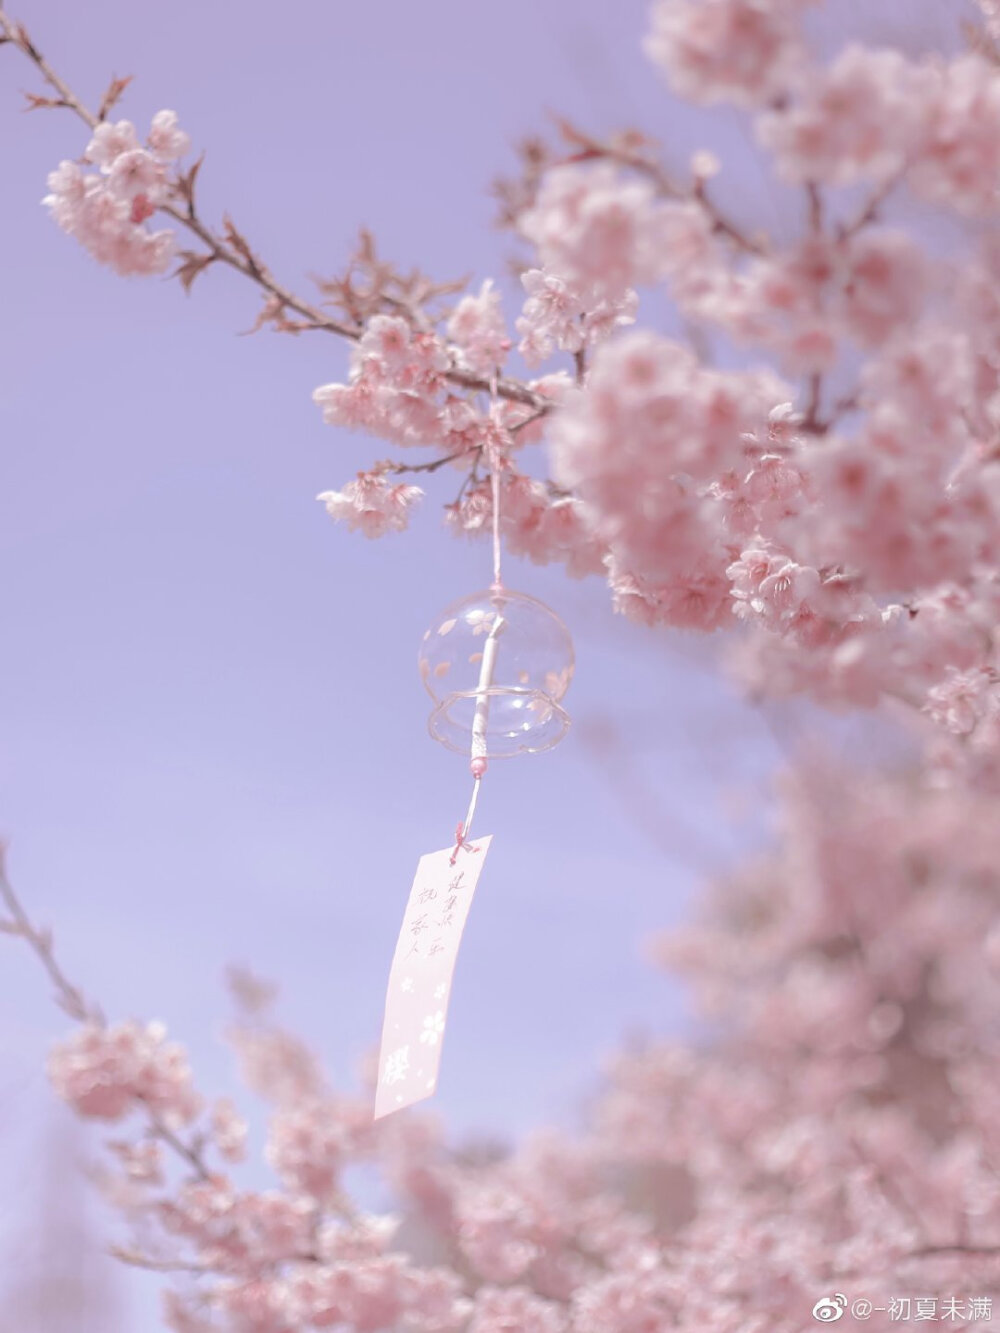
{"x": 421, "y": 974}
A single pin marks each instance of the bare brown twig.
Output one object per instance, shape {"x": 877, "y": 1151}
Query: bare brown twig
{"x": 632, "y": 150}
{"x": 948, "y": 1251}
{"x": 69, "y": 997}
{"x": 398, "y": 469}
{"x": 811, "y": 420}
{"x": 190, "y": 1152}
{"x": 527, "y": 421}
{"x": 814, "y": 197}
{"x": 872, "y": 207}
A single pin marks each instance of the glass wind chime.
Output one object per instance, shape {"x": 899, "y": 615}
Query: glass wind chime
{"x": 497, "y": 665}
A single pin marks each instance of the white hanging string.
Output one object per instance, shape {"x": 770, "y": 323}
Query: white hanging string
{"x": 462, "y": 832}
{"x": 487, "y": 667}
{"x": 495, "y": 484}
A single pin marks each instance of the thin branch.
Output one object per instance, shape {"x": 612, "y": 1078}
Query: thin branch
{"x": 511, "y": 390}
{"x": 721, "y": 224}
{"x": 955, "y": 1251}
{"x": 69, "y": 997}
{"x": 815, "y": 207}
{"x": 399, "y": 468}
{"x": 873, "y": 206}
{"x": 18, "y": 34}
{"x": 137, "y": 1260}
{"x": 645, "y": 164}
{"x": 530, "y": 420}
{"x": 238, "y": 255}
{"x": 811, "y": 420}
{"x": 190, "y": 1153}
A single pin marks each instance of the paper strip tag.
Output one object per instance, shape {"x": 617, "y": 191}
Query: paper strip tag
{"x": 416, "y": 1002}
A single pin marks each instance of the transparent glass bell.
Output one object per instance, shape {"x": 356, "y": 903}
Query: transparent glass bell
{"x": 496, "y": 665}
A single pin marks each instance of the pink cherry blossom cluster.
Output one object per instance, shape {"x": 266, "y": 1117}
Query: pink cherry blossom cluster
{"x": 106, "y": 1072}
{"x": 477, "y": 329}
{"x": 742, "y": 51}
{"x": 676, "y": 428}
{"x": 397, "y": 378}
{"x": 106, "y": 210}
{"x": 556, "y": 317}
{"x": 838, "y": 1129}
{"x": 597, "y": 230}
{"x": 370, "y": 503}
{"x": 875, "y": 114}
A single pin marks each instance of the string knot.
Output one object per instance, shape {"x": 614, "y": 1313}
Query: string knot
{"x": 462, "y": 844}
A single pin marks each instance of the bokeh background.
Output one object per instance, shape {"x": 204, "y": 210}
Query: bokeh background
{"x": 213, "y": 739}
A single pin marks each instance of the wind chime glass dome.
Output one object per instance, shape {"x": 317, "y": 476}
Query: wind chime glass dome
{"x": 496, "y": 665}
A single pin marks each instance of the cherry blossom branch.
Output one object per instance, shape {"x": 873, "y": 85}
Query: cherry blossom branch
{"x": 239, "y": 256}
{"x": 190, "y": 1153}
{"x": 232, "y": 249}
{"x": 869, "y": 211}
{"x": 475, "y": 454}
{"x": 135, "y": 1259}
{"x": 644, "y": 164}
{"x": 815, "y": 207}
{"x": 71, "y": 1000}
{"x": 811, "y": 421}
{"x": 69, "y": 997}
{"x": 956, "y": 1251}
{"x": 518, "y": 426}
{"x": 398, "y": 469}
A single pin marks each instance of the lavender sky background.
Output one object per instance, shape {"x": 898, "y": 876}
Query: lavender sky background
{"x": 212, "y": 732}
